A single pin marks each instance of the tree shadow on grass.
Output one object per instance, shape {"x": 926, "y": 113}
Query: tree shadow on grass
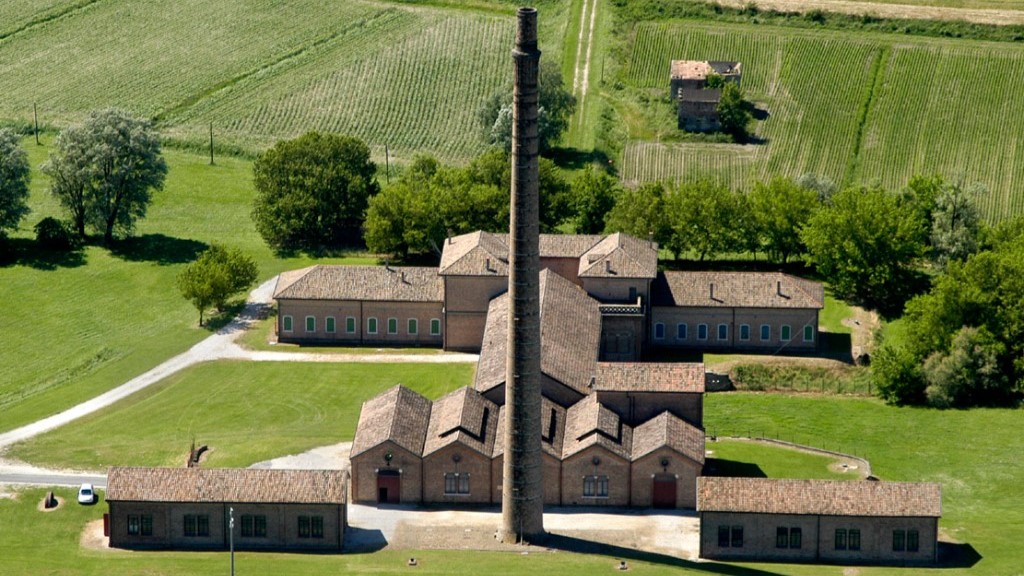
{"x": 576, "y": 159}
{"x": 157, "y": 248}
{"x": 219, "y": 319}
{"x": 26, "y": 252}
{"x": 620, "y": 553}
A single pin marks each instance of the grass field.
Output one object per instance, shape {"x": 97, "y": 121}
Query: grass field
{"x": 78, "y": 326}
{"x": 407, "y": 75}
{"x": 290, "y": 407}
{"x": 850, "y": 107}
{"x": 744, "y": 458}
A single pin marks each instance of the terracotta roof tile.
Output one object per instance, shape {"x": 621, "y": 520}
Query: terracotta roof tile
{"x": 736, "y": 290}
{"x": 570, "y": 336}
{"x": 669, "y": 430}
{"x": 399, "y": 415}
{"x": 588, "y": 423}
{"x": 620, "y": 256}
{"x": 373, "y": 283}
{"x": 824, "y": 497}
{"x": 463, "y": 416}
{"x": 552, "y": 429}
{"x": 226, "y": 485}
{"x": 699, "y": 69}
{"x": 649, "y": 377}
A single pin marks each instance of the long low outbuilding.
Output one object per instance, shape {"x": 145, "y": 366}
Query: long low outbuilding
{"x": 191, "y": 508}
{"x": 819, "y": 521}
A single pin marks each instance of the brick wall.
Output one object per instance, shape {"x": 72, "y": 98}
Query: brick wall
{"x": 471, "y": 462}
{"x": 734, "y": 318}
{"x": 682, "y": 468}
{"x": 361, "y": 312}
{"x": 581, "y": 464}
{"x": 366, "y": 465}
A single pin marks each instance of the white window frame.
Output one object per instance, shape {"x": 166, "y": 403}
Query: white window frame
{"x": 659, "y": 330}
{"x": 330, "y": 326}
{"x": 287, "y": 324}
{"x": 782, "y": 333}
{"x": 412, "y": 326}
{"x": 744, "y": 332}
{"x": 435, "y": 322}
{"x": 392, "y": 321}
{"x": 809, "y": 328}
{"x": 769, "y": 329}
{"x": 722, "y": 332}
{"x": 308, "y": 319}
{"x": 350, "y": 325}
{"x": 702, "y": 328}
{"x": 372, "y": 325}
{"x": 682, "y": 331}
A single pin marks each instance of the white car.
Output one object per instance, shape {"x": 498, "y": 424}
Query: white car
{"x": 86, "y": 494}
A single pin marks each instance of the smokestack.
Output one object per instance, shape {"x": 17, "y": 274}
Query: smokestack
{"x": 522, "y": 496}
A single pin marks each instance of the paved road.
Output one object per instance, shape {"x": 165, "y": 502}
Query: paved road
{"x": 55, "y": 479}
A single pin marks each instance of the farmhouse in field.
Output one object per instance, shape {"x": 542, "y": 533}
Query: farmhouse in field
{"x": 189, "y": 508}
{"x": 697, "y": 105}
{"x": 605, "y": 289}
{"x": 834, "y": 521}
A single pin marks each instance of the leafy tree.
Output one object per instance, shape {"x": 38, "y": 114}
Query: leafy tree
{"x": 820, "y": 185}
{"x": 104, "y": 171}
{"x": 780, "y": 209}
{"x": 52, "y": 234}
{"x": 704, "y": 218}
{"x": 594, "y": 193}
{"x": 215, "y": 276}
{"x": 734, "y": 113}
{"x": 312, "y": 192}
{"x": 865, "y": 244}
{"x": 713, "y": 81}
{"x": 556, "y": 107}
{"x": 896, "y": 374}
{"x": 641, "y": 212}
{"x": 956, "y": 223}
{"x": 970, "y": 374}
{"x": 14, "y": 178}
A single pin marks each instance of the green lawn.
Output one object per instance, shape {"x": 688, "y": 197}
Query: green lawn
{"x": 245, "y": 412}
{"x": 78, "y": 326}
{"x": 757, "y": 459}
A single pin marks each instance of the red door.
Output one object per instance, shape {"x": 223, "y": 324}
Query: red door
{"x": 389, "y": 487}
{"x": 663, "y": 492}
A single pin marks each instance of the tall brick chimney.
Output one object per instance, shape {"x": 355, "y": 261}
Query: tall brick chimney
{"x": 522, "y": 493}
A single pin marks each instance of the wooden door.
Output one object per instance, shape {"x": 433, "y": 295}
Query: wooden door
{"x": 663, "y": 491}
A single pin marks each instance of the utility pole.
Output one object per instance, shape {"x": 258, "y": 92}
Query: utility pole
{"x": 231, "y": 537}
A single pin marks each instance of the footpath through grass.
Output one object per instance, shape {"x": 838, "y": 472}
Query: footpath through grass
{"x": 245, "y": 412}
{"x": 76, "y": 326}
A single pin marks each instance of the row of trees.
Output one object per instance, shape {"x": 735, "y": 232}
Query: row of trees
{"x": 15, "y": 176}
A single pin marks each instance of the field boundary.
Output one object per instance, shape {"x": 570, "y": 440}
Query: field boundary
{"x": 864, "y": 465}
{"x": 46, "y": 18}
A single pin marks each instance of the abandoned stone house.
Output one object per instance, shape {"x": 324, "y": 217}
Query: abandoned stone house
{"x": 189, "y": 508}
{"x": 696, "y": 104}
{"x": 830, "y": 521}
{"x": 619, "y": 297}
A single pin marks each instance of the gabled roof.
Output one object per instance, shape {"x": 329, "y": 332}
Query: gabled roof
{"x": 486, "y": 254}
{"x": 242, "y": 485}
{"x": 552, "y": 429}
{"x": 463, "y": 416}
{"x": 399, "y": 415}
{"x": 824, "y": 497}
{"x": 570, "y": 336}
{"x": 649, "y": 377}
{"x": 588, "y": 423}
{"x": 736, "y": 290}
{"x": 667, "y": 429}
{"x": 374, "y": 283}
{"x": 620, "y": 256}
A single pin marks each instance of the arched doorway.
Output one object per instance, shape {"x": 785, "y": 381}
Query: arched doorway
{"x": 663, "y": 491}
{"x": 389, "y": 487}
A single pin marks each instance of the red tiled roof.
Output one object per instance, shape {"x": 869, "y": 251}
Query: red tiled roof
{"x": 399, "y": 415}
{"x": 667, "y": 429}
{"x": 372, "y": 283}
{"x": 824, "y": 497}
{"x": 243, "y": 485}
{"x": 649, "y": 377}
{"x": 736, "y": 290}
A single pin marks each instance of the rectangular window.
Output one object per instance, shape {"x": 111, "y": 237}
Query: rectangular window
{"x": 414, "y": 326}
{"x": 854, "y": 540}
{"x": 435, "y": 327}
{"x": 147, "y": 524}
{"x": 796, "y": 538}
{"x": 723, "y": 331}
{"x": 202, "y": 525}
{"x": 766, "y": 332}
{"x": 310, "y": 324}
{"x": 286, "y": 323}
{"x": 456, "y": 483}
{"x": 371, "y": 325}
{"x": 702, "y": 331}
{"x": 602, "y": 486}
{"x": 723, "y": 536}
{"x": 350, "y": 325}
{"x": 680, "y": 331}
{"x": 316, "y": 528}
{"x": 737, "y": 537}
{"x": 303, "y": 526}
{"x": 190, "y": 525}
{"x": 246, "y": 526}
{"x": 259, "y": 526}
{"x": 329, "y": 325}
{"x": 781, "y": 537}
{"x": 392, "y": 325}
{"x": 785, "y": 334}
{"x": 840, "y": 540}
{"x": 659, "y": 331}
{"x": 744, "y": 331}
{"x": 595, "y": 486}
{"x": 808, "y": 333}
{"x": 133, "y": 525}
{"x": 912, "y": 541}
{"x": 899, "y": 540}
